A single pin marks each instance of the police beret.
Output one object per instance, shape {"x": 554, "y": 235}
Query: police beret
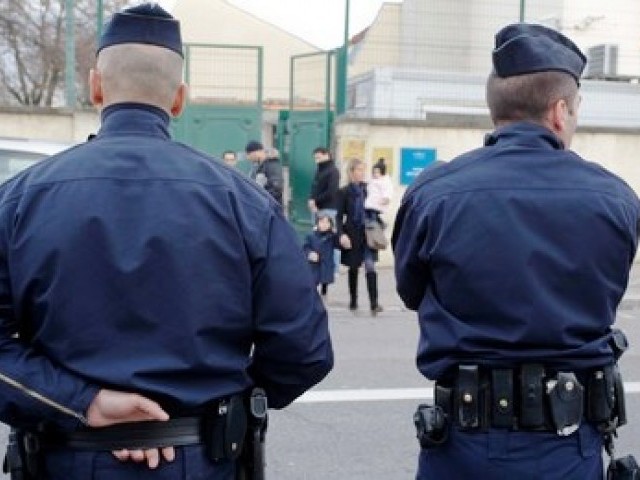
{"x": 526, "y": 48}
{"x": 253, "y": 146}
{"x": 147, "y": 23}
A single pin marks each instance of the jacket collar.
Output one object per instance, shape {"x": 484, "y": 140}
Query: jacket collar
{"x": 525, "y": 134}
{"x": 136, "y": 118}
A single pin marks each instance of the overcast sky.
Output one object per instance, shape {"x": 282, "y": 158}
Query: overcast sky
{"x": 320, "y": 22}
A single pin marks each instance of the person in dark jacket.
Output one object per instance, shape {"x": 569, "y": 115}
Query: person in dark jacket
{"x": 146, "y": 283}
{"x": 266, "y": 171}
{"x": 515, "y": 256}
{"x": 324, "y": 189}
{"x": 323, "y": 197}
{"x": 319, "y": 246}
{"x": 350, "y": 226}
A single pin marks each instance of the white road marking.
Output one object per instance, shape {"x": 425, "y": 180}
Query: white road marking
{"x": 390, "y": 394}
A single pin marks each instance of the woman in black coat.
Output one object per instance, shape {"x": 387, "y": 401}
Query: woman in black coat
{"x": 350, "y": 225}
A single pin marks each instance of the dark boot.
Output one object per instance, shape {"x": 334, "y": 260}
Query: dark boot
{"x": 372, "y": 287}
{"x": 353, "y": 288}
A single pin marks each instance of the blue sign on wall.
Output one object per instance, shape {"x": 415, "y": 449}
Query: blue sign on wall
{"x": 413, "y": 161}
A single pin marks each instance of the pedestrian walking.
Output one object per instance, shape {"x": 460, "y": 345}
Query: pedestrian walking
{"x": 145, "y": 283}
{"x": 515, "y": 256}
{"x": 350, "y": 226}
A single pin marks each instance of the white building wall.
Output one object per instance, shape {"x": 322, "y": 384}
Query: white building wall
{"x": 593, "y": 22}
{"x": 458, "y": 35}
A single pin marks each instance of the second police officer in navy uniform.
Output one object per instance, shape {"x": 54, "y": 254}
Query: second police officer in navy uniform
{"x": 516, "y": 256}
{"x": 146, "y": 283}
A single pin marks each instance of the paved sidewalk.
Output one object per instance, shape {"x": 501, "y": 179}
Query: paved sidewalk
{"x": 338, "y": 298}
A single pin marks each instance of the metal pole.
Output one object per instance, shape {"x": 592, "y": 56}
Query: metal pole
{"x": 99, "y": 21}
{"x": 522, "y": 8}
{"x": 341, "y": 96}
{"x": 70, "y": 55}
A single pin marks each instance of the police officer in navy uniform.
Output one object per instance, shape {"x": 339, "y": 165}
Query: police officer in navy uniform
{"x": 147, "y": 284}
{"x": 515, "y": 256}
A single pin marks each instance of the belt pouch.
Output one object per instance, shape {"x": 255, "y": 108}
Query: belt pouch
{"x": 502, "y": 398}
{"x": 225, "y": 428}
{"x": 531, "y": 392}
{"x": 467, "y": 400}
{"x": 442, "y": 398}
{"x": 600, "y": 395}
{"x": 620, "y": 410}
{"x": 566, "y": 402}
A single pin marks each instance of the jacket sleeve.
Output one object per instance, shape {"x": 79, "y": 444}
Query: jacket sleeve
{"x": 29, "y": 381}
{"x": 330, "y": 189}
{"x": 408, "y": 241}
{"x": 292, "y": 347}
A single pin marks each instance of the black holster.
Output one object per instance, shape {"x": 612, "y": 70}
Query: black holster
{"x": 23, "y": 458}
{"x": 251, "y": 463}
{"x": 623, "y": 469}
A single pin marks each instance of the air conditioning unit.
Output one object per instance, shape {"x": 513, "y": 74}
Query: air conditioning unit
{"x": 602, "y": 61}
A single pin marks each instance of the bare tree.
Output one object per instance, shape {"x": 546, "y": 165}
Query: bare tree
{"x": 32, "y": 48}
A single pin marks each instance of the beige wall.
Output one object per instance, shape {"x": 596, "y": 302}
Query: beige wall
{"x": 218, "y": 22}
{"x": 55, "y": 124}
{"x": 379, "y": 47}
{"x": 616, "y": 151}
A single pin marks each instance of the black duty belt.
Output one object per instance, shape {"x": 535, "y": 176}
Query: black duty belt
{"x": 533, "y": 398}
{"x": 177, "y": 432}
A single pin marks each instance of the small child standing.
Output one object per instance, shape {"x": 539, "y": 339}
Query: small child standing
{"x": 318, "y": 247}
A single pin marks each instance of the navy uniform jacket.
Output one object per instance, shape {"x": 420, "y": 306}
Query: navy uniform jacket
{"x": 516, "y": 252}
{"x": 140, "y": 265}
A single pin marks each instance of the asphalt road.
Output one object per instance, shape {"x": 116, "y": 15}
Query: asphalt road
{"x": 375, "y": 440}
{"x": 340, "y": 432}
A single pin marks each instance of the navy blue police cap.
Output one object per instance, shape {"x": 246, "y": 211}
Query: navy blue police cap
{"x": 147, "y": 23}
{"x": 524, "y": 48}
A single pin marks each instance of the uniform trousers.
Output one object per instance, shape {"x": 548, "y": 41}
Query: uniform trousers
{"x": 190, "y": 464}
{"x": 503, "y": 455}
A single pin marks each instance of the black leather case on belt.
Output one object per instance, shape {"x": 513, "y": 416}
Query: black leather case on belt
{"x": 502, "y": 413}
{"x": 532, "y": 396}
{"x": 601, "y": 395}
{"x": 467, "y": 396}
{"x": 225, "y": 430}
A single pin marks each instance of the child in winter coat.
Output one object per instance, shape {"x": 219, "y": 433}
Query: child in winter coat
{"x": 318, "y": 247}
{"x": 379, "y": 190}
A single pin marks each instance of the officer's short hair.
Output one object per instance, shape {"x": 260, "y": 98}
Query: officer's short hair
{"x": 528, "y": 97}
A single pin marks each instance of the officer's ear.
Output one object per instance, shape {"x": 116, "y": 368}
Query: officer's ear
{"x": 558, "y": 116}
{"x": 179, "y": 100}
{"x": 95, "y": 88}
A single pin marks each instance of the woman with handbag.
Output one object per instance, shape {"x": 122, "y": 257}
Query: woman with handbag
{"x": 350, "y": 226}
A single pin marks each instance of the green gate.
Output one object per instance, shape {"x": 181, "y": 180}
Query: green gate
{"x": 309, "y": 125}
{"x": 224, "y": 104}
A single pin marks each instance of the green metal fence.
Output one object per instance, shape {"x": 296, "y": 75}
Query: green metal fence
{"x": 309, "y": 125}
{"x": 224, "y": 107}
